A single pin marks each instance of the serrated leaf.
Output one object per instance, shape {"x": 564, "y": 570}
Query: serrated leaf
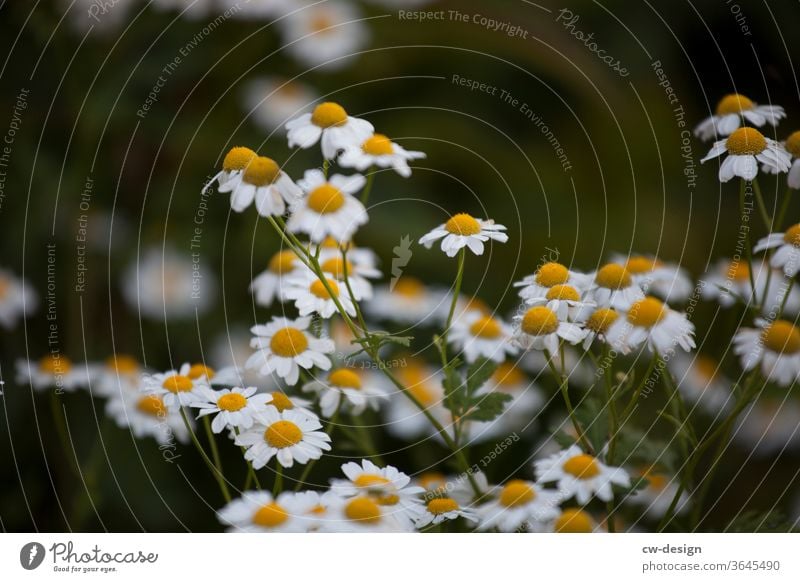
{"x": 478, "y": 373}
{"x": 487, "y": 407}
{"x": 594, "y": 421}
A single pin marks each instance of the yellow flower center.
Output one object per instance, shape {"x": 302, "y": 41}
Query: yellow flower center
{"x": 5, "y": 285}
{"x": 368, "y": 480}
{"x": 516, "y": 493}
{"x": 363, "y": 509}
{"x": 320, "y": 22}
{"x": 442, "y": 505}
{"x": 613, "y": 276}
{"x": 261, "y": 171}
{"x": 288, "y": 342}
{"x": 573, "y": 521}
{"x": 539, "y": 321}
{"x": 325, "y": 199}
{"x": 746, "y": 141}
{"x": 282, "y": 262}
{"x": 344, "y": 378}
{"x": 463, "y": 225}
{"x": 733, "y": 103}
{"x": 122, "y": 364}
{"x": 793, "y": 144}
{"x": 486, "y": 327}
{"x": 646, "y": 312}
{"x": 328, "y": 114}
{"x": 282, "y": 434}
{"x": 781, "y": 337}
{"x": 237, "y": 159}
{"x": 231, "y": 402}
{"x": 336, "y": 267}
{"x": 55, "y": 364}
{"x": 281, "y": 401}
{"x": 270, "y": 515}
{"x": 432, "y": 480}
{"x": 152, "y": 405}
{"x": 706, "y": 366}
{"x": 415, "y": 379}
{"x": 657, "y": 481}
{"x": 639, "y": 265}
{"x": 582, "y": 466}
{"x": 564, "y": 292}
{"x": 792, "y": 235}
{"x": 177, "y": 383}
{"x": 601, "y": 320}
{"x": 200, "y": 370}
{"x": 330, "y": 243}
{"x": 377, "y": 145}
{"x": 551, "y": 274}
{"x": 507, "y": 374}
{"x": 318, "y": 289}
{"x": 739, "y": 271}
{"x": 409, "y": 287}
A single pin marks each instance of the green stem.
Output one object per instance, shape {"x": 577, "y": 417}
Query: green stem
{"x": 368, "y": 188}
{"x": 748, "y": 246}
{"x": 278, "y": 485}
{"x": 761, "y": 206}
{"x": 456, "y": 292}
{"x": 784, "y": 207}
{"x": 563, "y": 386}
{"x": 223, "y": 487}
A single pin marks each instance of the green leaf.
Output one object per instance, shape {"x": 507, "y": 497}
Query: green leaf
{"x": 487, "y": 407}
{"x": 478, "y": 373}
{"x": 759, "y": 522}
{"x": 593, "y": 419}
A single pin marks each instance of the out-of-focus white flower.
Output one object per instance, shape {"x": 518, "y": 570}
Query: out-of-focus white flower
{"x": 700, "y": 379}
{"x": 573, "y": 520}
{"x": 769, "y": 426}
{"x": 787, "y": 253}
{"x": 348, "y": 386}
{"x": 119, "y": 373}
{"x": 668, "y": 281}
{"x": 146, "y": 415}
{"x": 540, "y": 328}
{"x": 614, "y": 286}
{"x": 482, "y": 336}
{"x": 729, "y": 281}
{"x": 272, "y": 101}
{"x": 519, "y": 504}
{"x": 774, "y": 345}
{"x": 657, "y": 496}
{"x": 258, "y": 512}
{"x": 53, "y": 371}
{"x": 269, "y": 285}
{"x": 17, "y": 299}
{"x": 549, "y": 275}
{"x": 409, "y": 301}
{"x": 311, "y": 295}
{"x": 730, "y": 111}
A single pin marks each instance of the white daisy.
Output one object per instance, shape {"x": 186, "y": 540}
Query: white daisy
{"x": 424, "y": 383}
{"x": 330, "y": 209}
{"x": 283, "y": 346}
{"x": 17, "y": 299}
{"x": 330, "y": 123}
{"x": 482, "y": 336}
{"x": 792, "y": 145}
{"x": 668, "y": 281}
{"x": 517, "y": 504}
{"x": 118, "y": 373}
{"x": 615, "y": 287}
{"x": 268, "y": 285}
{"x": 233, "y": 408}
{"x": 768, "y": 427}
{"x": 701, "y": 382}
{"x": 233, "y": 164}
{"x": 264, "y": 182}
{"x": 462, "y": 230}
{"x": 539, "y": 328}
{"x": 573, "y": 520}
{"x": 439, "y": 509}
{"x": 271, "y": 101}
{"x": 729, "y": 281}
{"x": 176, "y": 387}
{"x": 408, "y": 301}
{"x": 657, "y": 496}
{"x": 730, "y": 111}
{"x": 147, "y": 415}
{"x": 379, "y": 151}
{"x": 349, "y": 386}
{"x": 787, "y": 255}
{"x": 597, "y": 323}
{"x": 650, "y": 321}
{"x": 258, "y": 511}
{"x": 289, "y": 436}
{"x": 358, "y": 273}
{"x": 549, "y": 275}
{"x": 361, "y": 514}
{"x": 564, "y": 300}
{"x": 775, "y": 346}
{"x": 581, "y": 475}
{"x": 53, "y": 371}
{"x": 281, "y": 401}
{"x": 310, "y": 295}
{"x": 746, "y": 147}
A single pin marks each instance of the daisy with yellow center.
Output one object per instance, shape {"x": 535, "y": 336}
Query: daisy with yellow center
{"x": 233, "y": 164}
{"x": 329, "y": 208}
{"x": 482, "y": 336}
{"x": 651, "y": 321}
{"x": 581, "y": 475}
{"x": 597, "y": 323}
{"x": 774, "y": 345}
{"x": 462, "y": 230}
{"x": 702, "y": 383}
{"x": 668, "y": 281}
{"x": 730, "y": 112}
{"x": 281, "y": 401}
{"x": 548, "y": 275}
{"x": 519, "y": 504}
{"x": 330, "y": 124}
{"x": 728, "y": 282}
{"x": 53, "y": 371}
{"x": 17, "y": 299}
{"x": 177, "y": 387}
{"x": 527, "y": 396}
{"x": 540, "y": 328}
{"x": 565, "y": 300}
{"x": 407, "y": 300}
{"x": 117, "y": 373}
{"x": 233, "y": 408}
{"x": 746, "y": 147}
{"x": 614, "y": 286}
{"x": 658, "y": 494}
{"x": 379, "y": 151}
{"x": 768, "y": 427}
{"x": 288, "y": 436}
{"x": 312, "y": 295}
{"x": 271, "y": 101}
{"x": 574, "y": 520}
{"x": 359, "y": 267}
{"x": 264, "y": 183}
{"x": 353, "y": 389}
{"x": 147, "y": 415}
{"x": 268, "y": 285}
{"x": 792, "y": 145}
{"x": 440, "y": 509}
{"x": 283, "y": 346}
{"x": 361, "y": 514}
{"x": 787, "y": 250}
{"x": 259, "y": 511}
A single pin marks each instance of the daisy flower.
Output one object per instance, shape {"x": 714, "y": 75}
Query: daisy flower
{"x": 549, "y": 275}
{"x": 118, "y": 373}
{"x": 271, "y": 101}
{"x": 378, "y": 150}
{"x": 283, "y": 346}
{"x": 146, "y": 415}
{"x": 769, "y": 427}
{"x": 267, "y": 286}
{"x": 281, "y": 401}
{"x": 259, "y": 511}
{"x": 330, "y": 208}
{"x": 346, "y": 386}
{"x": 408, "y": 301}
{"x": 650, "y": 320}
{"x": 441, "y": 509}
{"x": 700, "y": 380}
{"x": 233, "y": 165}
{"x": 361, "y": 514}
{"x": 17, "y": 298}
{"x": 53, "y": 371}
{"x": 615, "y": 287}
{"x": 730, "y": 111}
{"x": 310, "y": 295}
{"x": 176, "y": 387}
{"x": 746, "y": 147}
{"x": 580, "y": 475}
{"x": 517, "y": 504}
{"x": 598, "y": 323}
{"x": 729, "y": 281}
{"x": 357, "y": 272}
{"x": 564, "y": 300}
{"x": 792, "y": 145}
{"x": 329, "y": 123}
{"x": 527, "y": 396}
{"x": 462, "y": 230}
{"x": 573, "y": 520}
{"x": 539, "y": 328}
{"x": 775, "y": 346}
{"x": 787, "y": 255}
{"x": 482, "y": 336}
{"x": 668, "y": 281}
{"x": 233, "y": 407}
{"x": 289, "y": 436}
{"x": 424, "y": 383}
{"x": 264, "y": 182}
{"x": 657, "y": 496}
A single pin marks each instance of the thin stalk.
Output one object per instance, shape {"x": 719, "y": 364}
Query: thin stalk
{"x": 223, "y": 487}
{"x": 561, "y": 380}
{"x": 368, "y": 188}
{"x": 761, "y": 206}
{"x": 278, "y": 485}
